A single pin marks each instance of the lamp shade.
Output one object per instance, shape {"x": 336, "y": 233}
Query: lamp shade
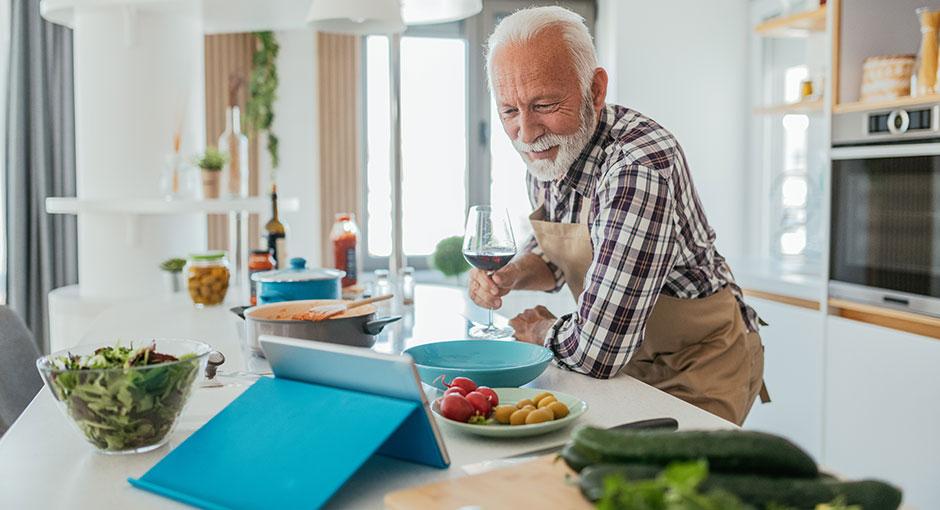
{"x": 426, "y": 12}
{"x": 356, "y": 17}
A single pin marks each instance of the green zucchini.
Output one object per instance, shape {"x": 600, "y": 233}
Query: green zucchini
{"x": 798, "y": 493}
{"x": 573, "y": 458}
{"x": 734, "y": 451}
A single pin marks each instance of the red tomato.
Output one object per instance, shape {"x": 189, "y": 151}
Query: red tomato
{"x": 480, "y": 402}
{"x": 490, "y": 394}
{"x": 456, "y": 407}
{"x": 462, "y": 382}
{"x": 456, "y": 389}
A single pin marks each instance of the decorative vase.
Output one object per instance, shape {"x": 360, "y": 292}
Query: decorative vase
{"x": 234, "y": 145}
{"x": 924, "y": 81}
{"x": 211, "y": 183}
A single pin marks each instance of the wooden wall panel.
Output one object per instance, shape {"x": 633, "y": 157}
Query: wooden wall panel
{"x": 338, "y": 83}
{"x": 227, "y": 56}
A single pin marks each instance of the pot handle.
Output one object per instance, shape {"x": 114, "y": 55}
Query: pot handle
{"x": 374, "y": 327}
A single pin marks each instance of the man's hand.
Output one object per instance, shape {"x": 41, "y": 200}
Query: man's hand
{"x": 488, "y": 291}
{"x": 533, "y": 324}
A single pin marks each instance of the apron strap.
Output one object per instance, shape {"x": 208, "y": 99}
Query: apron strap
{"x": 764, "y": 394}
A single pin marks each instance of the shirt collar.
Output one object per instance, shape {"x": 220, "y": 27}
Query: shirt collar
{"x": 583, "y": 172}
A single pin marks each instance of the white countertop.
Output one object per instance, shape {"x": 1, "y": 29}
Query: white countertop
{"x": 45, "y": 464}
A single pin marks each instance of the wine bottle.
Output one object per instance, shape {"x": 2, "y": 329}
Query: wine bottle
{"x": 275, "y": 234}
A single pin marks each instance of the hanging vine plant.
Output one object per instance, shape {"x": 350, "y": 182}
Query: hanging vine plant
{"x": 262, "y": 89}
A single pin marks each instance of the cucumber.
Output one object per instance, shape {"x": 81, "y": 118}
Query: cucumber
{"x": 799, "y": 493}
{"x": 734, "y": 451}
{"x": 573, "y": 458}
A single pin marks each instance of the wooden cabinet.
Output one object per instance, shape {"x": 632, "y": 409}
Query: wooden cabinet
{"x": 793, "y": 346}
{"x": 882, "y": 407}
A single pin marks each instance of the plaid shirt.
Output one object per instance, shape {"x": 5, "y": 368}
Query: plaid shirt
{"x": 649, "y": 233}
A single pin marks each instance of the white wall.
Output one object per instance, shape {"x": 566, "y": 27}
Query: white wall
{"x": 684, "y": 63}
{"x": 295, "y": 123}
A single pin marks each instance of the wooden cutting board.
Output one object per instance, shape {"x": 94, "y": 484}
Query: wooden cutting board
{"x": 534, "y": 484}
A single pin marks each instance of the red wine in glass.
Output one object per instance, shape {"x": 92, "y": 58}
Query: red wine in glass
{"x": 489, "y": 244}
{"x": 490, "y": 260}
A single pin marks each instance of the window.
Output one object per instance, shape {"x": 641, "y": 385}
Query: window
{"x": 454, "y": 151}
{"x": 434, "y": 142}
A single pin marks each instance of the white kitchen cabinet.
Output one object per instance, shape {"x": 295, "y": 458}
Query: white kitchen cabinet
{"x": 793, "y": 346}
{"x": 882, "y": 408}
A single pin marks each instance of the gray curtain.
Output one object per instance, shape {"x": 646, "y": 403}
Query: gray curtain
{"x": 40, "y": 163}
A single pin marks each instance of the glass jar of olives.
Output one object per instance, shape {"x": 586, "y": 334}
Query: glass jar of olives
{"x": 207, "y": 276}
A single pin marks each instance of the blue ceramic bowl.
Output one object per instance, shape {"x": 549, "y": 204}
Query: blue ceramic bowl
{"x": 493, "y": 363}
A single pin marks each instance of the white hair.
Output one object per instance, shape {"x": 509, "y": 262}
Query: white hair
{"x": 525, "y": 24}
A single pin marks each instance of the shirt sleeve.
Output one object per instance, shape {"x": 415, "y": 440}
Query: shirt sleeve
{"x": 634, "y": 251}
{"x": 532, "y": 246}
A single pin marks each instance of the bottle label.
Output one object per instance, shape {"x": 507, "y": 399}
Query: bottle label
{"x": 280, "y": 248}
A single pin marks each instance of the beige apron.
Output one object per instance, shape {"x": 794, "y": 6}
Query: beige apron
{"x": 698, "y": 350}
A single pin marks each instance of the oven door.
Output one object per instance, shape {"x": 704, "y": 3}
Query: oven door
{"x": 885, "y": 225}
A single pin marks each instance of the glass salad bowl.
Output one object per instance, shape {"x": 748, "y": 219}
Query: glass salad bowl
{"x": 125, "y": 398}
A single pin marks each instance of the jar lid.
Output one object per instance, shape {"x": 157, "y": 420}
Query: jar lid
{"x": 207, "y": 256}
{"x": 297, "y": 272}
{"x": 260, "y": 252}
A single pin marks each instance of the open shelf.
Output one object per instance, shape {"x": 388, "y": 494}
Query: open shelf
{"x": 800, "y": 24}
{"x": 813, "y": 106}
{"x": 886, "y": 105}
{"x": 155, "y": 206}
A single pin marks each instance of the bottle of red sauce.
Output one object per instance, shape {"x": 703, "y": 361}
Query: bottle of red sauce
{"x": 345, "y": 239}
{"x": 258, "y": 261}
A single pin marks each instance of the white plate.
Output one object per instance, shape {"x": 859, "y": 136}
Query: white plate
{"x": 576, "y": 407}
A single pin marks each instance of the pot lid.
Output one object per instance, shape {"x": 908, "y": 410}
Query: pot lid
{"x": 298, "y": 272}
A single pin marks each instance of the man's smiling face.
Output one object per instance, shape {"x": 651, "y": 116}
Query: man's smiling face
{"x": 541, "y": 103}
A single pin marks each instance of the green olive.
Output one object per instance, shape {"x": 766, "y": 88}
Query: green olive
{"x": 558, "y": 409}
{"x": 540, "y": 396}
{"x": 539, "y": 416}
{"x": 545, "y": 402}
{"x": 503, "y": 413}
{"x": 524, "y": 402}
{"x": 519, "y": 417}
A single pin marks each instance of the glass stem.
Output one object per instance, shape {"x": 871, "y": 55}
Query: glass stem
{"x": 490, "y": 324}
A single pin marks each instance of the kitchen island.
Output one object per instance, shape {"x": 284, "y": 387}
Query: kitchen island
{"x": 45, "y": 464}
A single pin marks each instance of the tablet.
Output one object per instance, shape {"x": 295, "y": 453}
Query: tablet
{"x": 362, "y": 370}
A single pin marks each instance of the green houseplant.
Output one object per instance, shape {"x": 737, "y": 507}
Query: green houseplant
{"x": 211, "y": 163}
{"x": 262, "y": 93}
{"x": 448, "y": 257}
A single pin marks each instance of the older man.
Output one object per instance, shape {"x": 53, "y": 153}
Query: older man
{"x": 618, "y": 219}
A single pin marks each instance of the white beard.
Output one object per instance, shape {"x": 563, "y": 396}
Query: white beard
{"x": 569, "y": 147}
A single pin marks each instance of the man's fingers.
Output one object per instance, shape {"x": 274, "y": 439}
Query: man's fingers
{"x": 506, "y": 276}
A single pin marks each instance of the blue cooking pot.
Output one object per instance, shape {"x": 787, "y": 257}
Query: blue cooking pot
{"x": 297, "y": 283}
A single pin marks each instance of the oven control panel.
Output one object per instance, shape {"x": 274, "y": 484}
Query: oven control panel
{"x": 885, "y": 126}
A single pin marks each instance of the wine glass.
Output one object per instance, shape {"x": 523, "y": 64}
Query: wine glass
{"x": 488, "y": 245}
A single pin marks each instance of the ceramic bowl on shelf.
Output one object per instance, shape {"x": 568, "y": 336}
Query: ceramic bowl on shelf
{"x": 493, "y": 363}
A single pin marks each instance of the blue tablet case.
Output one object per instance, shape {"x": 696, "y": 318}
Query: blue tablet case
{"x": 289, "y": 444}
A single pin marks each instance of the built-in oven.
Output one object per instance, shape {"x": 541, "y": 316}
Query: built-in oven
{"x": 885, "y": 210}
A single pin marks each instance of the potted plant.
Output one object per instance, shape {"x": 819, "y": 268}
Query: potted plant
{"x": 211, "y": 163}
{"x": 448, "y": 258}
{"x": 173, "y": 274}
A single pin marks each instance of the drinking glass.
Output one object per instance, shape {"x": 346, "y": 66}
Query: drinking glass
{"x": 488, "y": 245}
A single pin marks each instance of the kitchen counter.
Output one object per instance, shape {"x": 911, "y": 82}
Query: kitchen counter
{"x": 45, "y": 464}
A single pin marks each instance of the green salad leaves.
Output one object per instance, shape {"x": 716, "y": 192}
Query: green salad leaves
{"x": 124, "y": 398}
